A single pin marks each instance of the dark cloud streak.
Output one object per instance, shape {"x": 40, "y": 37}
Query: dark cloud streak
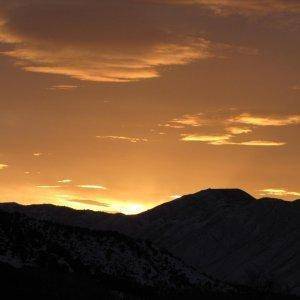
{"x": 98, "y": 41}
{"x": 89, "y": 202}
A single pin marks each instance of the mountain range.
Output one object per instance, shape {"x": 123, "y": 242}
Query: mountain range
{"x": 216, "y": 238}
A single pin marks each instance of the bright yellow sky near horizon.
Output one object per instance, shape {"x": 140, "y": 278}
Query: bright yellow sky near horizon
{"x": 122, "y": 105}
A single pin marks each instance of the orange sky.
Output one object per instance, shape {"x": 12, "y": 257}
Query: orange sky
{"x": 122, "y": 105}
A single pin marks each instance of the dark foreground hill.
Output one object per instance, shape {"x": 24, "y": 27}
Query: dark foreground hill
{"x": 44, "y": 260}
{"x": 227, "y": 234}
{"x": 107, "y": 257}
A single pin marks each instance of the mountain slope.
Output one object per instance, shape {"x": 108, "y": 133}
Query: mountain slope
{"x": 35, "y": 244}
{"x": 228, "y": 234}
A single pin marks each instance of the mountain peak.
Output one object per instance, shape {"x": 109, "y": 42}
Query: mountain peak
{"x": 236, "y": 195}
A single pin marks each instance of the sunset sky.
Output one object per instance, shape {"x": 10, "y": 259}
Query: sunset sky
{"x": 120, "y": 105}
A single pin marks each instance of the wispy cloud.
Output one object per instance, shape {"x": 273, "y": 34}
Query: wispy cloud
{"x": 37, "y": 154}
{"x": 172, "y": 125}
{"x": 48, "y": 186}
{"x": 186, "y": 120}
{"x": 92, "y": 187}
{"x": 279, "y": 192}
{"x": 265, "y": 121}
{"x": 101, "y": 49}
{"x": 210, "y": 139}
{"x": 232, "y": 124}
{"x": 238, "y": 130}
{"x": 64, "y": 87}
{"x": 123, "y": 138}
{"x": 260, "y": 143}
{"x": 295, "y": 87}
{"x": 226, "y": 139}
{"x": 3, "y": 166}
{"x": 64, "y": 181}
{"x": 244, "y": 6}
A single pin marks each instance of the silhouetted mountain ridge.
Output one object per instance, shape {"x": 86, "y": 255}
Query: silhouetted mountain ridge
{"x": 225, "y": 233}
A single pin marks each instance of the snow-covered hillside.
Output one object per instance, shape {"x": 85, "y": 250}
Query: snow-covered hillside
{"x": 31, "y": 243}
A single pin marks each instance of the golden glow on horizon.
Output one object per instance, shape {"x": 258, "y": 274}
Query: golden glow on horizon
{"x": 103, "y": 204}
{"x": 175, "y": 196}
{"x": 74, "y": 199}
